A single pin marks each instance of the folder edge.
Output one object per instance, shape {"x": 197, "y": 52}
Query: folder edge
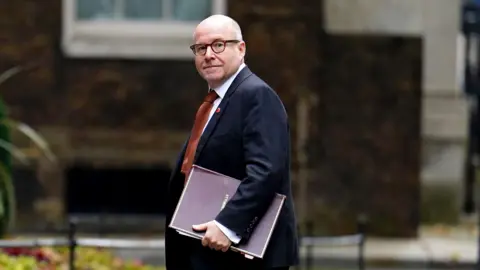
{"x": 199, "y": 236}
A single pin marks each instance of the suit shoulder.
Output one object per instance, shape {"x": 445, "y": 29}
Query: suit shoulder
{"x": 256, "y": 92}
{"x": 254, "y": 86}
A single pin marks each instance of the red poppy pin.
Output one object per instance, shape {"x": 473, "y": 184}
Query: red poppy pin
{"x": 218, "y": 110}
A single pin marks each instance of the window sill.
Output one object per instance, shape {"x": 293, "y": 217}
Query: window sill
{"x": 128, "y": 39}
{"x": 131, "y": 40}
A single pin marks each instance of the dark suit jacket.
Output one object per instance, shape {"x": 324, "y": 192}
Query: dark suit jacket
{"x": 248, "y": 140}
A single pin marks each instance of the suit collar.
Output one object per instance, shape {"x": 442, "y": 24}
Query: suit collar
{"x": 242, "y": 75}
{"x": 222, "y": 89}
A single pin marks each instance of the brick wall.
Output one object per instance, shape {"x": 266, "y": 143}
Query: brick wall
{"x": 366, "y": 139}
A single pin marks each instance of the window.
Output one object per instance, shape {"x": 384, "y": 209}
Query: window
{"x": 133, "y": 28}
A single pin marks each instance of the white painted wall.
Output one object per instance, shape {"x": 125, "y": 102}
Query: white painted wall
{"x": 437, "y": 21}
{"x": 442, "y": 44}
{"x": 374, "y": 16}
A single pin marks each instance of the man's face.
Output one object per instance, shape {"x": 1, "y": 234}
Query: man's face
{"x": 215, "y": 65}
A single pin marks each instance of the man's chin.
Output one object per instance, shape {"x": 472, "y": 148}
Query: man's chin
{"x": 213, "y": 78}
{"x": 213, "y": 74}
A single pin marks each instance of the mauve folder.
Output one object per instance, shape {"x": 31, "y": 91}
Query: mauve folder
{"x": 203, "y": 197}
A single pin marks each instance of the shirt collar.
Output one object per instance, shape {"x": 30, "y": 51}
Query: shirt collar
{"x": 222, "y": 89}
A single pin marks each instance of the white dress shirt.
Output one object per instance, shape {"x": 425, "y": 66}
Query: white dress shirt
{"x": 221, "y": 91}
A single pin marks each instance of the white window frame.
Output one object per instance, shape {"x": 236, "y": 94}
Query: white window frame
{"x": 128, "y": 39}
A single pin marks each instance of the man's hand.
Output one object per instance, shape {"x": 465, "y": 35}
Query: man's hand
{"x": 214, "y": 237}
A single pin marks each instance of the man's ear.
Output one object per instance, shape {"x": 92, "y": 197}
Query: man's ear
{"x": 242, "y": 48}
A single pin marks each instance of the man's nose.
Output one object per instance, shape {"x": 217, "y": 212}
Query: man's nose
{"x": 209, "y": 53}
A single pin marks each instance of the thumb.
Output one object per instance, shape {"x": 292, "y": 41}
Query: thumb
{"x": 200, "y": 227}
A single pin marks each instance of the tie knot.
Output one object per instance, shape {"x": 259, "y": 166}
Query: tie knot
{"x": 211, "y": 97}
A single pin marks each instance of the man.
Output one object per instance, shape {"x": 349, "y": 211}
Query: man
{"x": 240, "y": 130}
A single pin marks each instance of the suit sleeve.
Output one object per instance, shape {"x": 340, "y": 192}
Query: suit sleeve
{"x": 228, "y": 233}
{"x": 265, "y": 146}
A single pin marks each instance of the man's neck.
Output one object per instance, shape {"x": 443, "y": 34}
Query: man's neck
{"x": 222, "y": 82}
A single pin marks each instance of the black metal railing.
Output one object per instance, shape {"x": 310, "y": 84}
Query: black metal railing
{"x": 470, "y": 25}
{"x": 355, "y": 240}
{"x": 73, "y": 242}
{"x": 471, "y": 85}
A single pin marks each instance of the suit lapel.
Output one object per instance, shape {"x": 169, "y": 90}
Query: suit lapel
{"x": 245, "y": 73}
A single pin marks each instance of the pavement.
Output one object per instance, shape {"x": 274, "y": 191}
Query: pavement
{"x": 426, "y": 251}
{"x": 436, "y": 247}
{"x": 432, "y": 252}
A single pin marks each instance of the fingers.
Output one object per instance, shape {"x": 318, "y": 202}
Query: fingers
{"x": 200, "y": 227}
{"x": 213, "y": 238}
{"x": 207, "y": 241}
{"x": 219, "y": 246}
{"x": 216, "y": 246}
{"x": 225, "y": 249}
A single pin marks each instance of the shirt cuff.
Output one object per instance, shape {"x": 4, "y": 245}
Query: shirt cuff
{"x": 230, "y": 234}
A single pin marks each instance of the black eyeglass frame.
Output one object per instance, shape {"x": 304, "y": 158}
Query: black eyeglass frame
{"x": 192, "y": 47}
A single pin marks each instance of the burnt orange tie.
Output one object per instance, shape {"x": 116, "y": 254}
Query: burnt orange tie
{"x": 200, "y": 121}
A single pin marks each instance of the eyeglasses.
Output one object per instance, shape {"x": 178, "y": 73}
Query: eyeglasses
{"x": 218, "y": 46}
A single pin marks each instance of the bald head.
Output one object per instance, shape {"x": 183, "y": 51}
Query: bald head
{"x": 220, "y": 23}
{"x": 219, "y": 49}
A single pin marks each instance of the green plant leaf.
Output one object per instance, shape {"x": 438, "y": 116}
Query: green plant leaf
{"x": 9, "y": 73}
{"x": 16, "y": 153}
{"x": 36, "y": 138}
{"x": 7, "y": 198}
